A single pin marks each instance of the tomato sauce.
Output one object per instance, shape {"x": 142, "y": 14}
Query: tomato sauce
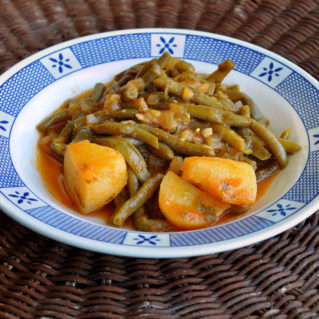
{"x": 51, "y": 171}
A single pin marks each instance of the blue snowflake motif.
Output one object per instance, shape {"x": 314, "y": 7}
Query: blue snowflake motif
{"x": 60, "y": 63}
{"x": 141, "y": 239}
{"x": 281, "y": 209}
{"x": 2, "y": 127}
{"x": 23, "y": 197}
{"x": 270, "y": 71}
{"x": 316, "y": 136}
{"x": 166, "y": 46}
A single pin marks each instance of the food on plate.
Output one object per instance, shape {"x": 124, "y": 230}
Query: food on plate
{"x": 93, "y": 174}
{"x": 166, "y": 147}
{"x": 233, "y": 182}
{"x": 185, "y": 205}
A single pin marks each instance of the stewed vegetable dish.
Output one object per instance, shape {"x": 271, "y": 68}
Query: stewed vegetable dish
{"x": 164, "y": 147}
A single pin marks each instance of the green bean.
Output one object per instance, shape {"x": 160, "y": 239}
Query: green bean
{"x": 290, "y": 146}
{"x": 216, "y": 115}
{"x": 175, "y": 164}
{"x": 183, "y": 66}
{"x": 132, "y": 182}
{"x": 53, "y": 119}
{"x": 163, "y": 151}
{"x": 146, "y": 192}
{"x": 270, "y": 170}
{"x": 149, "y": 76}
{"x": 271, "y": 141}
{"x": 244, "y": 110}
{"x": 231, "y": 137}
{"x": 118, "y": 201}
{"x": 222, "y": 71}
{"x": 286, "y": 133}
{"x": 83, "y": 119}
{"x": 243, "y": 158}
{"x": 145, "y": 68}
{"x": 143, "y": 223}
{"x": 177, "y": 88}
{"x": 114, "y": 128}
{"x": 258, "y": 150}
{"x": 83, "y": 133}
{"x": 58, "y": 148}
{"x": 178, "y": 145}
{"x": 254, "y": 111}
{"x": 87, "y": 105}
{"x": 122, "y": 114}
{"x": 130, "y": 93}
{"x": 256, "y": 144}
{"x": 66, "y": 133}
{"x": 131, "y": 155}
{"x": 97, "y": 92}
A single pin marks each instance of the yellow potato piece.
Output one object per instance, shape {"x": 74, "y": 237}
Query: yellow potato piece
{"x": 186, "y": 206}
{"x": 231, "y": 181}
{"x": 94, "y": 175}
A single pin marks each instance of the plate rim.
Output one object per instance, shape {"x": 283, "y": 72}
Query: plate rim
{"x": 142, "y": 251}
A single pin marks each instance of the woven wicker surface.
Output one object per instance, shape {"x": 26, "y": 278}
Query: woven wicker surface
{"x": 278, "y": 278}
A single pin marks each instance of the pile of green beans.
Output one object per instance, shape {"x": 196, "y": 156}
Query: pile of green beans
{"x": 207, "y": 118}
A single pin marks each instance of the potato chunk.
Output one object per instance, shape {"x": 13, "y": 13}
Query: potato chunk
{"x": 94, "y": 175}
{"x": 231, "y": 181}
{"x": 186, "y": 206}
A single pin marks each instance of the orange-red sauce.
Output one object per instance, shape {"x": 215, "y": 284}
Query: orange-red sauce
{"x": 51, "y": 171}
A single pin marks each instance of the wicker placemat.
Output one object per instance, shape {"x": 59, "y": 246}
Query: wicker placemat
{"x": 278, "y": 278}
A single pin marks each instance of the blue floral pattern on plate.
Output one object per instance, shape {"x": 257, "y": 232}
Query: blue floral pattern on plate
{"x": 271, "y": 72}
{"x": 18, "y": 88}
{"x": 61, "y": 63}
{"x": 6, "y": 121}
{"x": 174, "y": 44}
{"x": 166, "y": 46}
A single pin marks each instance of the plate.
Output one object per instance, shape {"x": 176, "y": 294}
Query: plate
{"x": 35, "y": 87}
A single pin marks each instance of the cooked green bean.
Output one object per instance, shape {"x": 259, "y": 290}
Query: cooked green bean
{"x": 122, "y": 114}
{"x": 132, "y": 182}
{"x": 146, "y": 192}
{"x": 119, "y": 200}
{"x": 271, "y": 141}
{"x": 114, "y": 128}
{"x": 97, "y": 92}
{"x": 58, "y": 148}
{"x": 216, "y": 115}
{"x": 271, "y": 169}
{"x": 290, "y": 146}
{"x": 163, "y": 151}
{"x": 83, "y": 133}
{"x": 175, "y": 164}
{"x": 140, "y": 219}
{"x": 183, "y": 66}
{"x": 178, "y": 145}
{"x": 259, "y": 151}
{"x": 52, "y": 119}
{"x": 149, "y": 76}
{"x": 222, "y": 71}
{"x": 254, "y": 111}
{"x": 87, "y": 105}
{"x": 143, "y": 223}
{"x": 286, "y": 133}
{"x": 66, "y": 133}
{"x": 231, "y": 137}
{"x": 179, "y": 89}
{"x": 131, "y": 155}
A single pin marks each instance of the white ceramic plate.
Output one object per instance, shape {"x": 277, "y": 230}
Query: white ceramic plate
{"x": 35, "y": 87}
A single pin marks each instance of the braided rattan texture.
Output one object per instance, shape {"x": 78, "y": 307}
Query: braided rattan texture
{"x": 278, "y": 278}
